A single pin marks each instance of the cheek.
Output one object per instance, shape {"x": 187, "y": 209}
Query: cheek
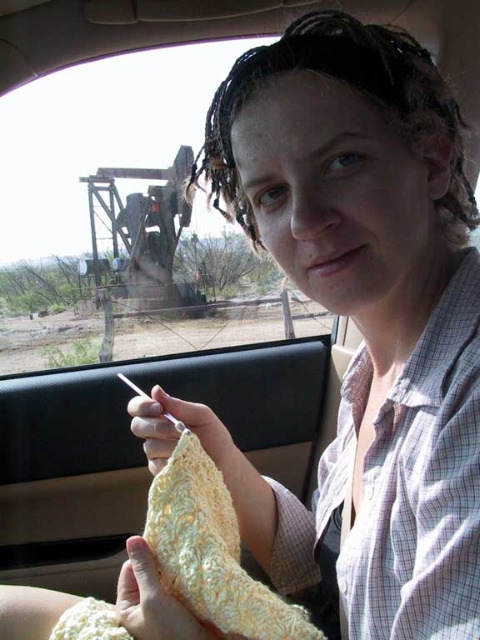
{"x": 391, "y": 209}
{"x": 275, "y": 236}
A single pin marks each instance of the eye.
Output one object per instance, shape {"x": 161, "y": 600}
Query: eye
{"x": 270, "y": 196}
{"x": 344, "y": 161}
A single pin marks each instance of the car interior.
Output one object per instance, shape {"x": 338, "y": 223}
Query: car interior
{"x": 73, "y": 479}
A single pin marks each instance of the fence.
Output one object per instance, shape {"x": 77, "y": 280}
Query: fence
{"x": 197, "y": 311}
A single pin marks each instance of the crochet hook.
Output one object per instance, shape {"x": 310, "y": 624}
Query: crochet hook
{"x": 178, "y": 424}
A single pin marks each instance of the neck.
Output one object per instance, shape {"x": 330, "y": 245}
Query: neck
{"x": 392, "y": 326}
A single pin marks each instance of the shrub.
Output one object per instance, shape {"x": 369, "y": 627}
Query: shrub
{"x": 82, "y": 352}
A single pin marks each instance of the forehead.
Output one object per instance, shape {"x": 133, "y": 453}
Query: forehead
{"x": 303, "y": 107}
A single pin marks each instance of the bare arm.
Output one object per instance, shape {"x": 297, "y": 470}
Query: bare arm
{"x": 254, "y": 503}
{"x": 27, "y": 613}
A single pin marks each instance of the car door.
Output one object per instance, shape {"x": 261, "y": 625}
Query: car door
{"x": 73, "y": 479}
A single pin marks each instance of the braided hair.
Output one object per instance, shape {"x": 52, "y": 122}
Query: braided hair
{"x": 386, "y": 65}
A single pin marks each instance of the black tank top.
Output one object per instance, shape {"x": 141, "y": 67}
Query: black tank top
{"x": 329, "y": 551}
{"x": 327, "y": 612}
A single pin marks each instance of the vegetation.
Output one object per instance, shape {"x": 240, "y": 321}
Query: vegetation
{"x": 81, "y": 352}
{"x": 223, "y": 265}
{"x": 219, "y": 266}
{"x": 33, "y": 287}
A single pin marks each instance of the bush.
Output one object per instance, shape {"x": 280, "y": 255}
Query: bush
{"x": 29, "y": 287}
{"x": 57, "y": 308}
{"x": 82, "y": 352}
{"x": 223, "y": 265}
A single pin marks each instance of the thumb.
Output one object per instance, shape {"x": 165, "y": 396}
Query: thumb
{"x": 144, "y": 567}
{"x": 128, "y": 594}
{"x": 191, "y": 413}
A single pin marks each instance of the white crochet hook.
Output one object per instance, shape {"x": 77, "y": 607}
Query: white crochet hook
{"x": 178, "y": 424}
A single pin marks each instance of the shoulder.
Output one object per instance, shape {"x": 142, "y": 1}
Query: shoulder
{"x": 444, "y": 368}
{"x": 462, "y": 383}
{"x": 443, "y": 415}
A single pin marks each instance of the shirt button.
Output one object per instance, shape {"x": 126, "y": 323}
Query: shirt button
{"x": 342, "y": 585}
{"x": 369, "y": 491}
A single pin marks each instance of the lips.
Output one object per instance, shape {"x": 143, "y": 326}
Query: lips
{"x": 334, "y": 262}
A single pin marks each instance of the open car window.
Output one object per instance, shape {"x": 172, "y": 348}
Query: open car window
{"x": 101, "y": 259}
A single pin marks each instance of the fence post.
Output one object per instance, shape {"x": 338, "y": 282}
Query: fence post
{"x": 106, "y": 348}
{"x": 287, "y": 316}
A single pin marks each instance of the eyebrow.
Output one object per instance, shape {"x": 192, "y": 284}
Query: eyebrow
{"x": 320, "y": 151}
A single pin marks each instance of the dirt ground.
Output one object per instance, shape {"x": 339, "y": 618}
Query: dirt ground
{"x": 26, "y": 343}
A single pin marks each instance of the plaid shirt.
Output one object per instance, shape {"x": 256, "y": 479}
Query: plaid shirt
{"x": 410, "y": 567}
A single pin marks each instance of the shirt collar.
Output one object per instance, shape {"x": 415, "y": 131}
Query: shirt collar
{"x": 450, "y": 326}
{"x": 356, "y": 381}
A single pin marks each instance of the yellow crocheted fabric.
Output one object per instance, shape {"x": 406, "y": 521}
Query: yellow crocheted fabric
{"x": 192, "y": 528}
{"x": 90, "y": 619}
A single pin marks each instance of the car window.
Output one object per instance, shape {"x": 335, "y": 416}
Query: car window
{"x": 475, "y": 236}
{"x": 100, "y": 258}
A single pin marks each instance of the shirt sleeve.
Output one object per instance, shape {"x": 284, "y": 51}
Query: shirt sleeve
{"x": 293, "y": 567}
{"x": 441, "y": 601}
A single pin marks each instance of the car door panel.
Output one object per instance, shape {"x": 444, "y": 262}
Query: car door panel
{"x": 74, "y": 479}
{"x": 76, "y": 422}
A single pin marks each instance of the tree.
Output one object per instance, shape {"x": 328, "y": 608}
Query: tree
{"x": 221, "y": 263}
{"x": 28, "y": 287}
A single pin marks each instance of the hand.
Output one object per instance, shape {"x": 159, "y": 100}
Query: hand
{"x": 145, "y": 609}
{"x": 253, "y": 498}
{"x": 160, "y": 434}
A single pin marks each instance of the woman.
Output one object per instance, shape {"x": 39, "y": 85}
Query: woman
{"x": 339, "y": 150}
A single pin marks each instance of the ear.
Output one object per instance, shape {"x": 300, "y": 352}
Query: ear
{"x": 437, "y": 151}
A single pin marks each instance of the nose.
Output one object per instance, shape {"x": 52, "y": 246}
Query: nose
{"x": 312, "y": 215}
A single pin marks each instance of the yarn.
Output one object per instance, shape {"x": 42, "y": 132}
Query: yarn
{"x": 192, "y": 528}
{"x": 90, "y": 619}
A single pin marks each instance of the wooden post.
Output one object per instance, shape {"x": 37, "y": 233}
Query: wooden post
{"x": 106, "y": 349}
{"x": 287, "y": 316}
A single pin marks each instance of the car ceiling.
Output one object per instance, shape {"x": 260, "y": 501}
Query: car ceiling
{"x": 38, "y": 36}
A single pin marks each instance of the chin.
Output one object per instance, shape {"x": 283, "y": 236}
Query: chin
{"x": 350, "y": 301}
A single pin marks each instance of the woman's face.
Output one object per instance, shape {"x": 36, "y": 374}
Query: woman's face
{"x": 342, "y": 202}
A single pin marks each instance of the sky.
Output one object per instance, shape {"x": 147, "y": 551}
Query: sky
{"x": 133, "y": 110}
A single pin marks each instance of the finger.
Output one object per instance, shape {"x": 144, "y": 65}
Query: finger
{"x": 191, "y": 413}
{"x": 158, "y": 453}
{"x": 145, "y": 570}
{"x": 141, "y": 406}
{"x": 157, "y": 465}
{"x": 155, "y": 449}
{"x": 128, "y": 594}
{"x": 160, "y": 609}
{"x": 153, "y": 428}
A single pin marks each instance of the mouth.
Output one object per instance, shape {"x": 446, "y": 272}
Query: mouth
{"x": 335, "y": 263}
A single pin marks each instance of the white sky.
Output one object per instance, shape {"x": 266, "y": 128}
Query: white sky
{"x": 133, "y": 110}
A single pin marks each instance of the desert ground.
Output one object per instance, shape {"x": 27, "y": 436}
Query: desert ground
{"x": 26, "y": 343}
